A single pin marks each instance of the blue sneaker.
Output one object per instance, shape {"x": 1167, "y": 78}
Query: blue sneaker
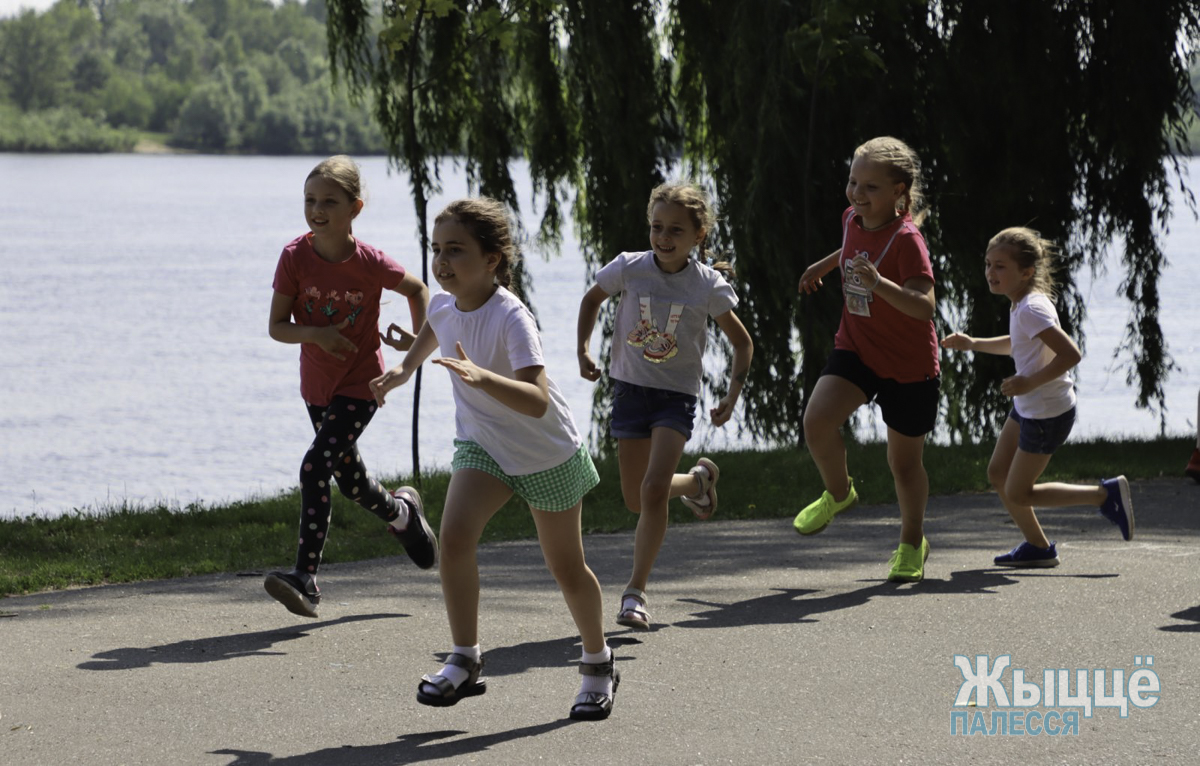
{"x": 1118, "y": 508}
{"x": 1029, "y": 556}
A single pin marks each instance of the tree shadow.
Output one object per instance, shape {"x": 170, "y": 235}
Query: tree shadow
{"x": 214, "y": 649}
{"x": 1193, "y": 614}
{"x": 408, "y": 748}
{"x": 787, "y": 606}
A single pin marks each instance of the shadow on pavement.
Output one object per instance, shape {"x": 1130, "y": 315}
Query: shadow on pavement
{"x": 408, "y": 748}
{"x": 213, "y": 649}
{"x": 1192, "y": 614}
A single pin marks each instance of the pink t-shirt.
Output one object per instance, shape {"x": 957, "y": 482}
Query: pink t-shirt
{"x": 327, "y": 294}
{"x": 890, "y": 342}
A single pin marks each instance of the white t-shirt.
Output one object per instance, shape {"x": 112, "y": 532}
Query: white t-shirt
{"x": 670, "y": 350}
{"x": 1030, "y": 316}
{"x": 501, "y": 336}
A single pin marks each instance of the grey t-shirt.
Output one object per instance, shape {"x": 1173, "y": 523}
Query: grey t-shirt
{"x": 661, "y": 329}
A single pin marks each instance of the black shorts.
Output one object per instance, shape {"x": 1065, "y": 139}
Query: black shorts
{"x": 909, "y": 408}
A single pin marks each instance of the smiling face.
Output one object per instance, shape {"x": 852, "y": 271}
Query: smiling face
{"x": 673, "y": 234}
{"x": 328, "y": 209}
{"x": 872, "y": 192}
{"x": 1004, "y": 275}
{"x": 460, "y": 266}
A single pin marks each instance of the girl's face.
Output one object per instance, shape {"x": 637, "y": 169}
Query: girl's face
{"x": 673, "y": 234}
{"x": 1004, "y": 275}
{"x": 460, "y": 266}
{"x": 872, "y": 192}
{"x": 328, "y": 210}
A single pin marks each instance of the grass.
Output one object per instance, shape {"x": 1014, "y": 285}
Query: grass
{"x": 128, "y": 544}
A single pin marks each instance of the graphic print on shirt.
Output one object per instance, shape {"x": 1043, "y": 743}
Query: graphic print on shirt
{"x": 312, "y": 295}
{"x": 657, "y": 347}
{"x": 858, "y": 298}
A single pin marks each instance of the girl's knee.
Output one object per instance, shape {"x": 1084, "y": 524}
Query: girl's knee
{"x": 656, "y": 492}
{"x": 1021, "y": 495}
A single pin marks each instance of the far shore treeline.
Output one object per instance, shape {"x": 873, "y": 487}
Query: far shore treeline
{"x": 242, "y": 76}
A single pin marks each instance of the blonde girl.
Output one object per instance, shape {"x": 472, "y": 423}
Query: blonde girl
{"x": 1018, "y": 264}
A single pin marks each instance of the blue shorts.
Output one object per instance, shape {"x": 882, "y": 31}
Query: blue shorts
{"x": 1041, "y": 436}
{"x": 638, "y": 409}
{"x": 907, "y": 408}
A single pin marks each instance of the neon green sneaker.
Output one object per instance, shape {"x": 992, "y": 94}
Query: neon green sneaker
{"x": 817, "y": 516}
{"x": 907, "y": 563}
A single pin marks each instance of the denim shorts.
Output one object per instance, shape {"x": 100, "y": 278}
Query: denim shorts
{"x": 908, "y": 408}
{"x": 555, "y": 489}
{"x": 638, "y": 409}
{"x": 1041, "y": 436}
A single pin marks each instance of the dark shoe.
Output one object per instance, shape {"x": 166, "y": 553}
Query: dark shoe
{"x": 596, "y": 706}
{"x": 634, "y": 617}
{"x": 1029, "y": 556}
{"x": 1193, "y": 466}
{"x": 417, "y": 538}
{"x": 296, "y": 590}
{"x": 447, "y": 694}
{"x": 1118, "y": 508}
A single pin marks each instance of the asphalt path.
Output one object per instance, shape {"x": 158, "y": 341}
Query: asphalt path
{"x": 766, "y": 648}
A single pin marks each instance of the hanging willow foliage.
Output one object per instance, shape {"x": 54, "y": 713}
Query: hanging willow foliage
{"x": 1064, "y": 115}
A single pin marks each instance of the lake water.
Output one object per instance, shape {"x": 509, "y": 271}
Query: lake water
{"x": 136, "y": 364}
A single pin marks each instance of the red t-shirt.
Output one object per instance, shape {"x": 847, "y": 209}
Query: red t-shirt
{"x": 327, "y": 294}
{"x": 890, "y": 342}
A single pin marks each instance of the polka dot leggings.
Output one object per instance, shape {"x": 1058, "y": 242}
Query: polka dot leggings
{"x": 332, "y": 457}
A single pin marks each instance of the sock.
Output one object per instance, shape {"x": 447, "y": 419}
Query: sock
{"x": 700, "y": 497}
{"x": 629, "y": 602}
{"x": 400, "y": 522}
{"x": 598, "y": 684}
{"x": 453, "y": 673}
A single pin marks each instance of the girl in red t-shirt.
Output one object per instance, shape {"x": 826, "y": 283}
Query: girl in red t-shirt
{"x": 327, "y": 290}
{"x": 886, "y": 348}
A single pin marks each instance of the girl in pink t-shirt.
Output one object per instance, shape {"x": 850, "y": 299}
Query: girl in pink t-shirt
{"x": 327, "y": 291}
{"x": 886, "y": 347}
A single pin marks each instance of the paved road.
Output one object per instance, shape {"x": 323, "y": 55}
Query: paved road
{"x": 768, "y": 648}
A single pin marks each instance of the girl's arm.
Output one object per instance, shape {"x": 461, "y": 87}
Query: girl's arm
{"x": 914, "y": 298}
{"x": 418, "y": 306}
{"x": 961, "y": 342}
{"x": 811, "y": 279}
{"x": 1066, "y": 356}
{"x": 526, "y": 392}
{"x": 589, "y": 309}
{"x": 743, "y": 352}
{"x": 422, "y": 346}
{"x": 281, "y": 328}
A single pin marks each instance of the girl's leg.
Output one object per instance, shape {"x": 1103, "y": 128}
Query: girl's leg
{"x": 1010, "y": 466}
{"x": 659, "y": 480}
{"x": 905, "y": 458}
{"x": 832, "y": 402}
{"x": 561, "y": 539}
{"x": 634, "y": 458}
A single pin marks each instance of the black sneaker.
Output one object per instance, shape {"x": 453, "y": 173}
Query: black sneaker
{"x": 417, "y": 538}
{"x": 297, "y": 591}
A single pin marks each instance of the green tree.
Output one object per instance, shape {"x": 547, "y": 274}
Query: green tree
{"x": 1062, "y": 115}
{"x": 211, "y": 117}
{"x": 34, "y": 64}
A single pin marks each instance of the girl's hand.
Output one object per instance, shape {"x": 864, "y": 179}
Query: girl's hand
{"x": 469, "y": 372}
{"x": 393, "y": 378}
{"x": 724, "y": 410}
{"x": 1015, "y": 386}
{"x": 865, "y": 271}
{"x": 332, "y": 342}
{"x": 958, "y": 342}
{"x": 402, "y": 343}
{"x": 810, "y": 280}
{"x": 587, "y": 367}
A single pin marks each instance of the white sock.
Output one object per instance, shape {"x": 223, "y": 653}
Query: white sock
{"x": 400, "y": 523}
{"x": 453, "y": 673}
{"x": 599, "y": 684}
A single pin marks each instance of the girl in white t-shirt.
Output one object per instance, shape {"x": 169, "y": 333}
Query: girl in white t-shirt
{"x": 514, "y": 435}
{"x": 1018, "y": 266}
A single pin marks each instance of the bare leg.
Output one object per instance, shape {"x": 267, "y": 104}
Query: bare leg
{"x": 833, "y": 400}
{"x": 471, "y": 501}
{"x": 905, "y": 456}
{"x": 658, "y": 485}
{"x": 561, "y": 539}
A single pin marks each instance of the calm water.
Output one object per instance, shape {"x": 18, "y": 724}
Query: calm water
{"x": 135, "y": 359}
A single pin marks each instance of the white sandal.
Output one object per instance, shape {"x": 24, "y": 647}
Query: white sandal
{"x": 634, "y": 617}
{"x": 706, "y": 473}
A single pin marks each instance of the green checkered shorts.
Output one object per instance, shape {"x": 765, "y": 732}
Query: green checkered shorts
{"x": 556, "y": 489}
